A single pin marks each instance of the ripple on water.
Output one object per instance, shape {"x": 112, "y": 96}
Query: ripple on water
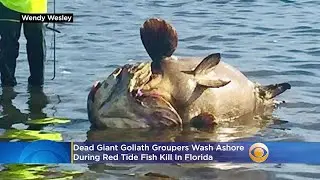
{"x": 304, "y": 84}
{"x": 218, "y": 38}
{"x": 278, "y": 57}
{"x": 308, "y": 66}
{"x": 199, "y": 47}
{"x": 192, "y": 38}
{"x": 231, "y": 56}
{"x": 250, "y": 34}
{"x": 314, "y": 53}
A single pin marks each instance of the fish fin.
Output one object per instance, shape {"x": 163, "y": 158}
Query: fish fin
{"x": 206, "y": 65}
{"x": 189, "y": 72}
{"x": 273, "y": 90}
{"x": 204, "y": 84}
{"x": 212, "y": 83}
{"x": 159, "y": 38}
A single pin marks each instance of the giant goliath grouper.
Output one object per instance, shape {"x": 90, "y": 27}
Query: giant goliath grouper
{"x": 173, "y": 92}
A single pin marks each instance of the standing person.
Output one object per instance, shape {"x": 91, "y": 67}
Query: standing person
{"x": 10, "y": 30}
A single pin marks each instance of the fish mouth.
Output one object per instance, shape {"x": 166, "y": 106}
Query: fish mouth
{"x": 93, "y": 90}
{"x": 159, "y": 112}
{"x": 91, "y": 100}
{"x": 118, "y": 98}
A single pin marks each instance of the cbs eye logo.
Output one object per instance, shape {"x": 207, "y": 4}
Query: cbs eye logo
{"x": 44, "y": 151}
{"x": 258, "y": 152}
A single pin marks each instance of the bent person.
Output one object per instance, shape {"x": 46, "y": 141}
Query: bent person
{"x": 10, "y": 28}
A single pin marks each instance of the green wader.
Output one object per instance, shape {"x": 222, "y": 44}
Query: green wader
{"x": 9, "y": 48}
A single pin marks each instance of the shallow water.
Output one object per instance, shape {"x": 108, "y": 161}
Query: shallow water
{"x": 270, "y": 41}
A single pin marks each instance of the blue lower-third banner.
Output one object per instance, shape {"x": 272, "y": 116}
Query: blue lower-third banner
{"x": 45, "y": 152}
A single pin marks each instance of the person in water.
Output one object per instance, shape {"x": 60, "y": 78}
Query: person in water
{"x": 10, "y": 28}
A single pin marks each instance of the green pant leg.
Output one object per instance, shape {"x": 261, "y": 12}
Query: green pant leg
{"x": 36, "y": 50}
{"x": 9, "y": 45}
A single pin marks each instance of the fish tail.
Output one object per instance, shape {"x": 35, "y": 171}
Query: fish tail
{"x": 159, "y": 38}
{"x": 273, "y": 90}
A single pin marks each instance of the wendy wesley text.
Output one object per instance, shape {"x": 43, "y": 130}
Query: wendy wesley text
{"x": 41, "y": 18}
